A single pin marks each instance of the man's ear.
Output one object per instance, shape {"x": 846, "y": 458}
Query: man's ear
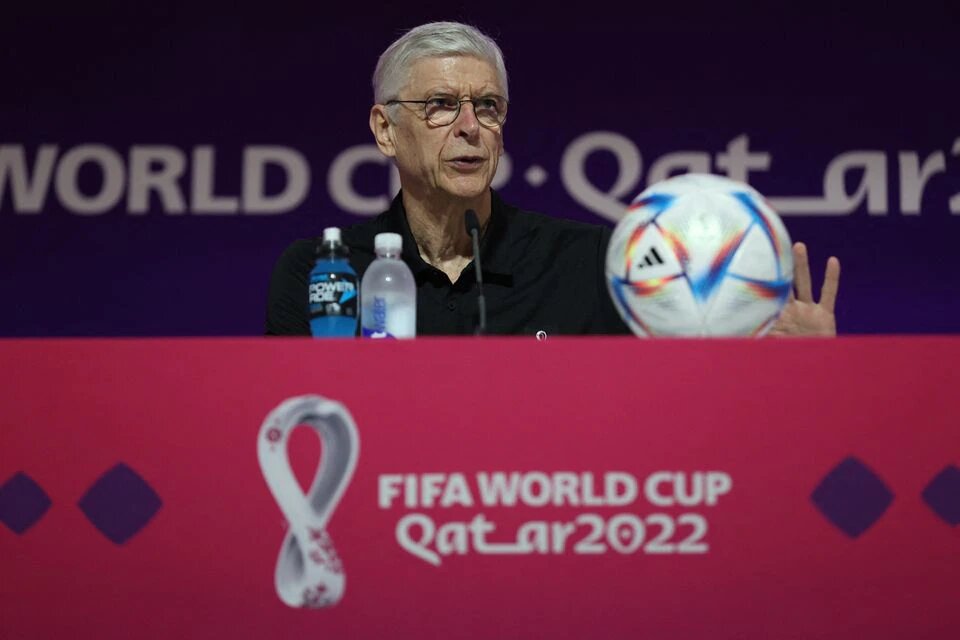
{"x": 382, "y": 130}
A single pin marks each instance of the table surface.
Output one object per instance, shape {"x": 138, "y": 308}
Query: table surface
{"x": 594, "y": 487}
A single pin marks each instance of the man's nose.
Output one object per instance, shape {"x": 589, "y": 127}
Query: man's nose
{"x": 467, "y": 118}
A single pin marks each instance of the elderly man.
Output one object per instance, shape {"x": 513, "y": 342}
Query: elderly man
{"x": 441, "y": 102}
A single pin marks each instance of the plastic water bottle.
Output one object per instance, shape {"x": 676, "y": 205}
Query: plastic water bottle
{"x": 388, "y": 294}
{"x": 333, "y": 290}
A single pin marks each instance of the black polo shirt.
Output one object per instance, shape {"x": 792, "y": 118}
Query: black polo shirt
{"x": 540, "y": 274}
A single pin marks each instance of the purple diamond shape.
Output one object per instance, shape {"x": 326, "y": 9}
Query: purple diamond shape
{"x": 120, "y": 503}
{"x": 852, "y": 497}
{"x": 943, "y": 495}
{"x": 22, "y": 502}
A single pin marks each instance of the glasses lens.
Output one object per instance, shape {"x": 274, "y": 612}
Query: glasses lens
{"x": 442, "y": 110}
{"x": 491, "y": 110}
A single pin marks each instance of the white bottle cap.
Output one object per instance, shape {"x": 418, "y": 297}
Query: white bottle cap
{"x": 392, "y": 242}
{"x": 331, "y": 234}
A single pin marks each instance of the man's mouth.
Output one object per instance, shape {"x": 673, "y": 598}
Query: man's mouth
{"x": 466, "y": 161}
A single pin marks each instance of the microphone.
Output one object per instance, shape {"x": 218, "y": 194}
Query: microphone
{"x": 473, "y": 230}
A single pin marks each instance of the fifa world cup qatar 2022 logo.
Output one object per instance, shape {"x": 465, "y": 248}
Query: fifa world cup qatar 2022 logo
{"x": 309, "y": 572}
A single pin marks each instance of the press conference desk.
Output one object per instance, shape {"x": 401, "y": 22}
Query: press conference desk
{"x": 480, "y": 488}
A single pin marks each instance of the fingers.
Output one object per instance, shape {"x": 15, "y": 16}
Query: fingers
{"x": 802, "y": 281}
{"x": 801, "y": 273}
{"x": 831, "y": 283}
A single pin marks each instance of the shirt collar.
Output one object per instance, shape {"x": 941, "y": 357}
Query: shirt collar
{"x": 494, "y": 243}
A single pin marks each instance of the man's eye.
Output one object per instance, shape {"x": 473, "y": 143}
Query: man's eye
{"x": 442, "y": 102}
{"x": 488, "y": 104}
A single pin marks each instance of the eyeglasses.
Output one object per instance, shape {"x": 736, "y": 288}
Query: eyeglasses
{"x": 442, "y": 110}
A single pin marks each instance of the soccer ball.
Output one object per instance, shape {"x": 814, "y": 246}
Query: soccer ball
{"x": 699, "y": 255}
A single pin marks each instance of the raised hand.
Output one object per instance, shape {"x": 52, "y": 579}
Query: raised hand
{"x": 802, "y": 316}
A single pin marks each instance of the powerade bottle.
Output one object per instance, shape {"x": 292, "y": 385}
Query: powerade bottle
{"x": 388, "y": 294}
{"x": 333, "y": 290}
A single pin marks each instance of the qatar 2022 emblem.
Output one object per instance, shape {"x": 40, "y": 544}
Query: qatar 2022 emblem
{"x": 309, "y": 572}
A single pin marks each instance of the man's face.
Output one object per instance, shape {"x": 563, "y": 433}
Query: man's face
{"x": 458, "y": 159}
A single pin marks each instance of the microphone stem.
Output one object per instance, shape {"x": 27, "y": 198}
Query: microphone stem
{"x": 481, "y": 301}
{"x": 482, "y": 305}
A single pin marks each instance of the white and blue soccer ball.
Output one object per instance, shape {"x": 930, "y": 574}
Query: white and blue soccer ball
{"x": 699, "y": 255}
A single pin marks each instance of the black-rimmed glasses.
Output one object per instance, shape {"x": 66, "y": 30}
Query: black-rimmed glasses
{"x": 442, "y": 110}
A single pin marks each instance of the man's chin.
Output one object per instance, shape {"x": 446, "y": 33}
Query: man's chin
{"x": 467, "y": 189}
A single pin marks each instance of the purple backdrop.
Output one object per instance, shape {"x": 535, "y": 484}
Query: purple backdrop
{"x": 153, "y": 165}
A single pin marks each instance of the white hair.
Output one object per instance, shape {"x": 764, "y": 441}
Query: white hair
{"x": 433, "y": 40}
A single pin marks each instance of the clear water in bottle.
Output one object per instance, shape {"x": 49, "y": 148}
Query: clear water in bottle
{"x": 388, "y": 293}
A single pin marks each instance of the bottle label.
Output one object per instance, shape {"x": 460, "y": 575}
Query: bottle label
{"x": 378, "y": 328}
{"x": 372, "y": 333}
{"x": 333, "y": 294}
{"x": 332, "y": 301}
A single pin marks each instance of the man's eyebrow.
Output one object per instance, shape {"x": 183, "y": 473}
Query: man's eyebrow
{"x": 488, "y": 91}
